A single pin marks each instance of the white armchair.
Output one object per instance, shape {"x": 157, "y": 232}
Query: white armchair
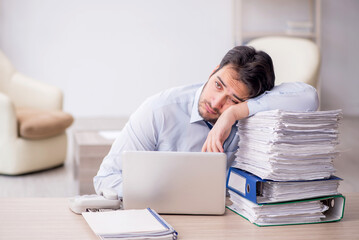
{"x": 20, "y": 155}
{"x": 294, "y": 59}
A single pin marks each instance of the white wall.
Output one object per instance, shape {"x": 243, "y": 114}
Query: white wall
{"x": 340, "y": 44}
{"x": 109, "y": 55}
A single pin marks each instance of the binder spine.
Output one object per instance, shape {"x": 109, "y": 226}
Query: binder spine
{"x": 243, "y": 184}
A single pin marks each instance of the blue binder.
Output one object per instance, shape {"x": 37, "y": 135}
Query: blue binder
{"x": 250, "y": 186}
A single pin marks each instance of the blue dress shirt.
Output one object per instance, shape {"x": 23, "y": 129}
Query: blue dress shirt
{"x": 170, "y": 121}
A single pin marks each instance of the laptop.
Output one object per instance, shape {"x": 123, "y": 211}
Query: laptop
{"x": 175, "y": 182}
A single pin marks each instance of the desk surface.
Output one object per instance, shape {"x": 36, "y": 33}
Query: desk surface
{"x": 50, "y": 218}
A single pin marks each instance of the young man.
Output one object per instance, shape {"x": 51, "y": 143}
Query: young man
{"x": 202, "y": 117}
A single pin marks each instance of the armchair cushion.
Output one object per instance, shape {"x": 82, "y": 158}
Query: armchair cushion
{"x": 39, "y": 124}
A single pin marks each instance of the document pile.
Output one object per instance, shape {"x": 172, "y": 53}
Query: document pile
{"x": 284, "y": 146}
{"x": 283, "y": 172}
{"x": 286, "y": 213}
{"x": 129, "y": 224}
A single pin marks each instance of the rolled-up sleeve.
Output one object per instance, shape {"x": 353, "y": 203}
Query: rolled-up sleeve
{"x": 296, "y": 96}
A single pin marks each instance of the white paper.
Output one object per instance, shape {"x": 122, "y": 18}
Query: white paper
{"x": 296, "y": 212}
{"x": 109, "y": 134}
{"x": 286, "y": 146}
{"x": 123, "y": 222}
{"x": 287, "y": 191}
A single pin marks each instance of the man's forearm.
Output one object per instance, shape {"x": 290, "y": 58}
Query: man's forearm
{"x": 239, "y": 111}
{"x": 108, "y": 181}
{"x": 287, "y": 96}
{"x": 131, "y": 138}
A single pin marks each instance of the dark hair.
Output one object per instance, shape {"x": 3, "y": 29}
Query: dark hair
{"x": 254, "y": 68}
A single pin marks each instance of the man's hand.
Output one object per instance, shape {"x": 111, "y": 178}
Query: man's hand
{"x": 221, "y": 130}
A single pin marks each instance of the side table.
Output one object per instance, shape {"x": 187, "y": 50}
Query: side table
{"x": 92, "y": 141}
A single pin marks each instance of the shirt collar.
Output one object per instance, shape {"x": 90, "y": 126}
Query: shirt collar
{"x": 195, "y": 117}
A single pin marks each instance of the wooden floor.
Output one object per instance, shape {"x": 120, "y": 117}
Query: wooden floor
{"x": 60, "y": 182}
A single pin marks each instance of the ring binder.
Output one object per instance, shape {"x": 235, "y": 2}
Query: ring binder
{"x": 283, "y": 171}
{"x": 255, "y": 189}
{"x": 335, "y": 211}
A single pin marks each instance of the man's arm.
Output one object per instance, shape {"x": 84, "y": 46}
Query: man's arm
{"x": 296, "y": 96}
{"x": 287, "y": 96}
{"x": 139, "y": 134}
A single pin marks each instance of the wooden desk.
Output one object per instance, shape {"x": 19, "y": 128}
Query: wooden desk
{"x": 50, "y": 218}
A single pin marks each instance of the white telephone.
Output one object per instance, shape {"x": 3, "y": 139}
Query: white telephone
{"x": 107, "y": 200}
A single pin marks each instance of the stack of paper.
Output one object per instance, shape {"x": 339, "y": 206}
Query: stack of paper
{"x": 284, "y": 166}
{"x": 286, "y": 146}
{"x": 288, "y": 191}
{"x": 129, "y": 224}
{"x": 266, "y": 191}
{"x": 279, "y": 214}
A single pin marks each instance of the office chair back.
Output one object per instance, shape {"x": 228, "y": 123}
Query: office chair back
{"x": 294, "y": 59}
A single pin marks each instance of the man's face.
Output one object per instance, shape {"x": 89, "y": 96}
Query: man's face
{"x": 221, "y": 91}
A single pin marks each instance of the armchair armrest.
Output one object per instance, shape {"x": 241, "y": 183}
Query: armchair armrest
{"x": 8, "y": 123}
{"x": 27, "y": 92}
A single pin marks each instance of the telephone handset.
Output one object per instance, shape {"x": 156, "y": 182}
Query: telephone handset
{"x": 107, "y": 200}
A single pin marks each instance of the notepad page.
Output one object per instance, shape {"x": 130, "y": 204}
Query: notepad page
{"x": 122, "y": 221}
